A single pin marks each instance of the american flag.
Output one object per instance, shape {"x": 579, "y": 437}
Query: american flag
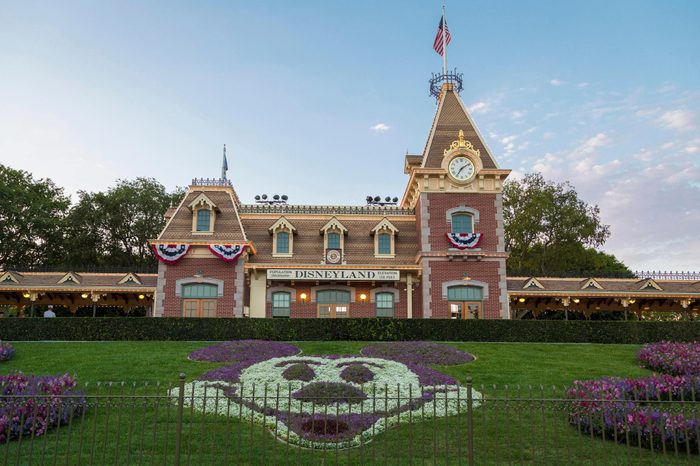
{"x": 438, "y": 45}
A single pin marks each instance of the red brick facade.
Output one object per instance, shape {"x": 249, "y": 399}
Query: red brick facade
{"x": 187, "y": 268}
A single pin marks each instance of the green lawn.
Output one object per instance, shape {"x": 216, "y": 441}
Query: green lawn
{"x": 508, "y": 429}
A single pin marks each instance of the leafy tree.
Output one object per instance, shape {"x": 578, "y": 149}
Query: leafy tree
{"x": 113, "y": 227}
{"x": 32, "y": 214}
{"x": 550, "y": 230}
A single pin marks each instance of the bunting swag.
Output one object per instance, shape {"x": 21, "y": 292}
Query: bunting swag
{"x": 170, "y": 253}
{"x": 464, "y": 240}
{"x": 227, "y": 252}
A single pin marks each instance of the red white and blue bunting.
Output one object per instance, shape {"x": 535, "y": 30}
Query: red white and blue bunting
{"x": 170, "y": 253}
{"x": 227, "y": 252}
{"x": 464, "y": 240}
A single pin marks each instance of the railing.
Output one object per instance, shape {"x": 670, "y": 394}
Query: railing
{"x": 598, "y": 274}
{"x": 325, "y": 209}
{"x": 669, "y": 275}
{"x": 211, "y": 182}
{"x": 477, "y": 425}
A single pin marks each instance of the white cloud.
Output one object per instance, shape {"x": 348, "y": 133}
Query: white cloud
{"x": 583, "y": 85}
{"x": 591, "y": 144}
{"x": 516, "y": 115}
{"x": 380, "y": 128}
{"x": 479, "y": 107}
{"x": 556, "y": 82}
{"x": 681, "y": 120}
{"x": 692, "y": 149}
{"x": 647, "y": 112}
{"x": 508, "y": 139}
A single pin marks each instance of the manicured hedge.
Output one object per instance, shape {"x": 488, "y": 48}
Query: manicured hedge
{"x": 126, "y": 328}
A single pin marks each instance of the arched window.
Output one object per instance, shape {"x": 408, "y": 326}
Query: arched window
{"x": 203, "y": 220}
{"x": 462, "y": 223}
{"x": 384, "y": 243}
{"x": 281, "y": 304}
{"x": 282, "y": 242}
{"x": 333, "y": 240}
{"x": 384, "y": 304}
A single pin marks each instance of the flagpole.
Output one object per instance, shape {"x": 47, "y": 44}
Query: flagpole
{"x": 224, "y": 165}
{"x": 444, "y": 42}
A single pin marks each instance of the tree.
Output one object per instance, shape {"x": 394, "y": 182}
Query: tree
{"x": 32, "y": 215}
{"x": 113, "y": 228}
{"x": 550, "y": 230}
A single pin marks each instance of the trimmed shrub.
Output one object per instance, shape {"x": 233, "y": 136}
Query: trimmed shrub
{"x": 126, "y": 328}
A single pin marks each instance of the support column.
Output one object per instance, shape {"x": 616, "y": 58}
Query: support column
{"x": 258, "y": 293}
{"x": 409, "y": 296}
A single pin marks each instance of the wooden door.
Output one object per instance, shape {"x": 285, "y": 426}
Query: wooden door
{"x": 199, "y": 308}
{"x": 333, "y": 311}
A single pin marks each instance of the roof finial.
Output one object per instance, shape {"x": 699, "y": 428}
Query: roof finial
{"x": 224, "y": 165}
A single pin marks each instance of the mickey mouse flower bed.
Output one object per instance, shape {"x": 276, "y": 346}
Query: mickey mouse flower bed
{"x": 636, "y": 410}
{"x": 30, "y": 405}
{"x": 333, "y": 401}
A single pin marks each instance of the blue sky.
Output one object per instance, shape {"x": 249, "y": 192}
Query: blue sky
{"x": 321, "y": 100}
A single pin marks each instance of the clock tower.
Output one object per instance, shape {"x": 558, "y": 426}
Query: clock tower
{"x": 455, "y": 187}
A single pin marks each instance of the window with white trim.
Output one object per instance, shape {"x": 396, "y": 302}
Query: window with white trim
{"x": 384, "y": 304}
{"x": 281, "y": 304}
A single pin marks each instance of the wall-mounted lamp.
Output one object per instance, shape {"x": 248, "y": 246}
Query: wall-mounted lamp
{"x": 576, "y": 300}
{"x": 84, "y": 295}
{"x": 363, "y": 298}
{"x": 25, "y": 294}
{"x": 303, "y": 298}
{"x": 521, "y": 300}
{"x": 632, "y": 301}
{"x": 142, "y": 296}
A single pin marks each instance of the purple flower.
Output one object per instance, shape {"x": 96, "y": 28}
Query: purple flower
{"x": 418, "y": 352}
{"x": 671, "y": 358}
{"x": 6, "y": 351}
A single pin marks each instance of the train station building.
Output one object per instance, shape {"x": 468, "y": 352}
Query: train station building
{"x": 436, "y": 253}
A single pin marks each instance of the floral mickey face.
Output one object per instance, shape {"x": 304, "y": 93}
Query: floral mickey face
{"x": 327, "y": 402}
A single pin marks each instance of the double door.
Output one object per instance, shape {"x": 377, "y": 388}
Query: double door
{"x": 465, "y": 309}
{"x": 333, "y": 311}
{"x": 199, "y": 308}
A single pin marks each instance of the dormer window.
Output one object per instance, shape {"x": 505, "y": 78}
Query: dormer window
{"x": 203, "y": 215}
{"x": 333, "y": 239}
{"x": 384, "y": 239}
{"x": 203, "y": 220}
{"x": 282, "y": 238}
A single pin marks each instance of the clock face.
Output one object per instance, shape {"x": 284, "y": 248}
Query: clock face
{"x": 461, "y": 168}
{"x": 333, "y": 256}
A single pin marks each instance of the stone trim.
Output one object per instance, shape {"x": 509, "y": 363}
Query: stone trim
{"x": 316, "y": 289}
{"x": 324, "y": 209}
{"x": 500, "y": 224}
{"x": 160, "y": 291}
{"x": 503, "y": 284}
{"x": 275, "y": 289}
{"x": 462, "y": 208}
{"x": 239, "y": 283}
{"x": 197, "y": 280}
{"x": 427, "y": 297}
{"x": 425, "y": 222}
{"x": 385, "y": 289}
{"x": 484, "y": 286}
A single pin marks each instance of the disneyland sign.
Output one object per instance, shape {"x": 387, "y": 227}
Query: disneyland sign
{"x": 333, "y": 274}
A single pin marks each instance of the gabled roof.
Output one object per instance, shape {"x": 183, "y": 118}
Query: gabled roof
{"x": 130, "y": 278}
{"x": 202, "y": 199}
{"x": 533, "y": 283}
{"x": 649, "y": 283}
{"x": 590, "y": 284}
{"x": 283, "y": 223}
{"x": 9, "y": 277}
{"x": 451, "y": 117}
{"x": 227, "y": 224}
{"x": 332, "y": 224}
{"x": 69, "y": 277}
{"x": 385, "y": 224}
